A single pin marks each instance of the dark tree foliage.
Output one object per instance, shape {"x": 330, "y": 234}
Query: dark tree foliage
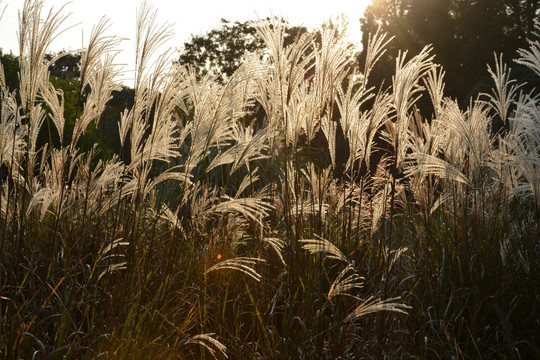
{"x": 108, "y": 129}
{"x": 10, "y": 63}
{"x": 68, "y": 65}
{"x": 220, "y": 51}
{"x": 465, "y": 34}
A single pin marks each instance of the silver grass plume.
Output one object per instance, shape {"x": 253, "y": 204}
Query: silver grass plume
{"x": 99, "y": 45}
{"x": 349, "y": 103}
{"x": 374, "y": 51}
{"x": 470, "y": 145}
{"x": 520, "y": 151}
{"x": 2, "y": 10}
{"x": 277, "y": 245}
{"x": 302, "y": 115}
{"x": 323, "y": 246}
{"x": 254, "y": 208}
{"x": 247, "y": 147}
{"x": 250, "y": 179}
{"x": 209, "y": 342}
{"x": 434, "y": 82}
{"x": 149, "y": 38}
{"x": 12, "y": 133}
{"x": 105, "y": 188}
{"x": 319, "y": 182}
{"x": 380, "y": 202}
{"x": 243, "y": 264}
{"x": 427, "y": 145}
{"x": 531, "y": 57}
{"x": 406, "y": 90}
{"x": 360, "y": 127}
{"x": 287, "y": 70}
{"x": 427, "y": 164}
{"x": 111, "y": 258}
{"x": 171, "y": 218}
{"x": 3, "y": 86}
{"x": 523, "y": 148}
{"x": 372, "y": 305}
{"x": 343, "y": 284}
{"x": 331, "y": 67}
{"x": 50, "y": 97}
{"x": 216, "y": 110}
{"x": 36, "y": 33}
{"x": 102, "y": 84}
{"x": 329, "y": 128}
{"x": 505, "y": 89}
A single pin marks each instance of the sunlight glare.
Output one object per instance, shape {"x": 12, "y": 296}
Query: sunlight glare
{"x": 355, "y": 12}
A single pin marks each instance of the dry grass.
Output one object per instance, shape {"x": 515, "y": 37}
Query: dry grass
{"x": 130, "y": 257}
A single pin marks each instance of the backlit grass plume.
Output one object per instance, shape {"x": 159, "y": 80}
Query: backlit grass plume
{"x": 242, "y": 264}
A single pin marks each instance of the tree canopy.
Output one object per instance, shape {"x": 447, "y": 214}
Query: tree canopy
{"x": 465, "y": 34}
{"x": 65, "y": 66}
{"x": 10, "y": 63}
{"x": 220, "y": 51}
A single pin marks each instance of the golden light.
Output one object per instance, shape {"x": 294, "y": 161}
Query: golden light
{"x": 355, "y": 11}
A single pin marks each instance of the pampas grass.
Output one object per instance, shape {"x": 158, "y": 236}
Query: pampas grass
{"x": 242, "y": 264}
{"x": 216, "y": 226}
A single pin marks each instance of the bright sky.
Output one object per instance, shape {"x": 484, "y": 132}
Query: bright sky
{"x": 186, "y": 17}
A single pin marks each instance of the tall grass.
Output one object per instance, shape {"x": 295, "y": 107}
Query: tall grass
{"x": 294, "y": 211}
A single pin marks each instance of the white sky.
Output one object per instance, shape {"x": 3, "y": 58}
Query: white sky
{"x": 186, "y": 17}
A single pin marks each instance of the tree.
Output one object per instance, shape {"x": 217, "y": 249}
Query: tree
{"x": 67, "y": 65}
{"x": 108, "y": 127}
{"x": 10, "y": 63}
{"x": 464, "y": 34}
{"x": 221, "y": 51}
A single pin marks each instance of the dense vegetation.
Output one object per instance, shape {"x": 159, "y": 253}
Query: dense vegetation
{"x": 290, "y": 210}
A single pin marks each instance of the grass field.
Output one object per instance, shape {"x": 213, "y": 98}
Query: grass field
{"x": 295, "y": 211}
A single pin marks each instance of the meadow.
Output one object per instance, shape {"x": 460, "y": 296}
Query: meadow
{"x": 294, "y": 211}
